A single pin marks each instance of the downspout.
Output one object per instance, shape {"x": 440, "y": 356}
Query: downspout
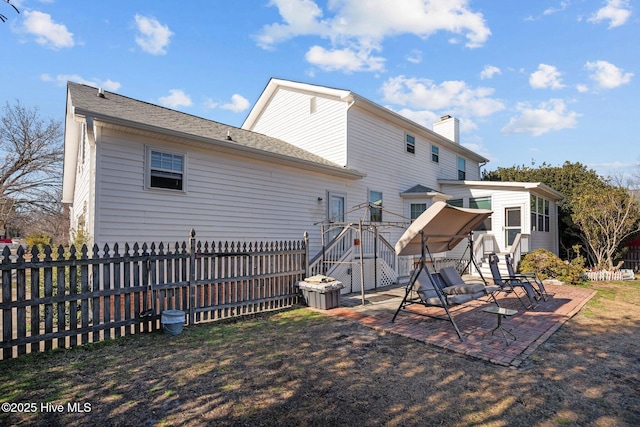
{"x": 480, "y": 166}
{"x": 90, "y": 216}
{"x": 352, "y": 100}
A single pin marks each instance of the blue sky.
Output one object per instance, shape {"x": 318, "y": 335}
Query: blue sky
{"x": 531, "y": 82}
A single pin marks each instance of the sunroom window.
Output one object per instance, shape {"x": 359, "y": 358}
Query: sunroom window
{"x": 540, "y": 217}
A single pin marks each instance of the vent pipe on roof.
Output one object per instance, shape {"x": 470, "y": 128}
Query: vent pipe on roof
{"x": 101, "y": 92}
{"x": 449, "y": 127}
{"x": 229, "y": 136}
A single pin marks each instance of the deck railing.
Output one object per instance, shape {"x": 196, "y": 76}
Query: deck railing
{"x": 346, "y": 244}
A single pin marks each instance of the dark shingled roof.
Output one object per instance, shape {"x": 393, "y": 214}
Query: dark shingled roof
{"x": 86, "y": 101}
{"x": 420, "y": 189}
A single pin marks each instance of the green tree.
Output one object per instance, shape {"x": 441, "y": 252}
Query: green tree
{"x": 606, "y": 217}
{"x": 570, "y": 179}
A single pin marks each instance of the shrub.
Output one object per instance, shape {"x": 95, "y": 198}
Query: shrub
{"x": 548, "y": 265}
{"x": 40, "y": 240}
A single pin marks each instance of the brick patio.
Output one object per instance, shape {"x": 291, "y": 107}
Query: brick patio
{"x": 531, "y": 327}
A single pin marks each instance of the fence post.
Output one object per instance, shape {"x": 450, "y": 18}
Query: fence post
{"x": 192, "y": 276}
{"x": 306, "y": 255}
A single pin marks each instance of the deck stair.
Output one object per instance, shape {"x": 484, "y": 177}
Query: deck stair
{"x": 483, "y": 265}
{"x": 341, "y": 259}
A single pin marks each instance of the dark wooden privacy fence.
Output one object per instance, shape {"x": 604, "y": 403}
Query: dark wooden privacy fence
{"x": 632, "y": 258}
{"x": 64, "y": 299}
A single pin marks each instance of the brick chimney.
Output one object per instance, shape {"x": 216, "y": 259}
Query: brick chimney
{"x": 449, "y": 127}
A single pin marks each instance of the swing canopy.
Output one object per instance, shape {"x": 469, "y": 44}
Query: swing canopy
{"x": 441, "y": 227}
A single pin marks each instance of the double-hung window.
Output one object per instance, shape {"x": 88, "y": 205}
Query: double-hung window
{"x": 482, "y": 203}
{"x": 435, "y": 154}
{"x": 165, "y": 170}
{"x": 417, "y": 209}
{"x": 462, "y": 169}
{"x": 410, "y": 141}
{"x": 375, "y": 206}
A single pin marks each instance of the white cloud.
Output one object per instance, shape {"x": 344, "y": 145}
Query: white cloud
{"x": 238, "y": 104}
{"x": 210, "y": 104}
{"x": 489, "y": 71}
{"x": 176, "y": 99}
{"x": 607, "y": 75}
{"x": 547, "y": 76}
{"x": 346, "y": 60}
{"x": 62, "y": 79}
{"x": 300, "y": 17}
{"x": 617, "y": 12}
{"x": 353, "y": 28}
{"x": 152, "y": 37}
{"x": 546, "y": 117}
{"x": 582, "y": 88}
{"x": 454, "y": 97}
{"x": 415, "y": 57}
{"x": 47, "y": 32}
{"x": 552, "y": 10}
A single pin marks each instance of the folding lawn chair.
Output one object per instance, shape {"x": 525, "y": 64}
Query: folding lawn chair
{"x": 508, "y": 285}
{"x": 532, "y": 278}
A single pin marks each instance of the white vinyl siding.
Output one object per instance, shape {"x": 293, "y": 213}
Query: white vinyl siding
{"x": 317, "y": 126}
{"x": 83, "y": 209}
{"x": 261, "y": 202}
{"x": 368, "y": 143}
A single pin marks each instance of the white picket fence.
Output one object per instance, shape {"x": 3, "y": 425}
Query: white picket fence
{"x": 609, "y": 275}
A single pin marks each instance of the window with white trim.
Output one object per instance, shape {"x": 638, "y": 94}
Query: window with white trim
{"x": 540, "y": 217}
{"x": 462, "y": 169}
{"x": 435, "y": 154}
{"x": 417, "y": 209}
{"x": 482, "y": 203}
{"x": 375, "y": 206}
{"x": 410, "y": 141}
{"x": 165, "y": 170}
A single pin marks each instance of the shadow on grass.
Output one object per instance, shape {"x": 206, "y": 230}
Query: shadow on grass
{"x": 298, "y": 367}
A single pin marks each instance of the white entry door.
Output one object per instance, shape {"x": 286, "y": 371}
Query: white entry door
{"x": 335, "y": 213}
{"x": 336, "y": 207}
{"x": 512, "y": 224}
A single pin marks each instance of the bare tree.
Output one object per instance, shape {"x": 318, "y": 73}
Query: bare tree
{"x": 4, "y": 18}
{"x": 31, "y": 173}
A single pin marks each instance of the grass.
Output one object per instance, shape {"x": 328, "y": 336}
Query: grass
{"x": 300, "y": 368}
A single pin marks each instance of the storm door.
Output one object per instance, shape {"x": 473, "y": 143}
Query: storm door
{"x": 512, "y": 224}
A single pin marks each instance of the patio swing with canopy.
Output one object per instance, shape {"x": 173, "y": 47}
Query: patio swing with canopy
{"x": 441, "y": 228}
